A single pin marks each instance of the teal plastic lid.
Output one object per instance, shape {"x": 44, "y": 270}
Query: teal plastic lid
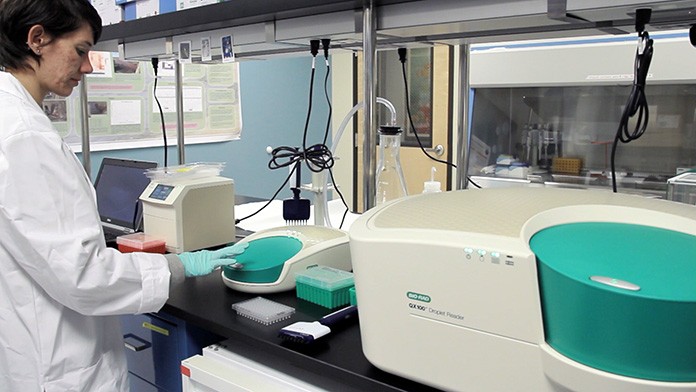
{"x": 620, "y": 298}
{"x": 263, "y": 259}
{"x": 661, "y": 263}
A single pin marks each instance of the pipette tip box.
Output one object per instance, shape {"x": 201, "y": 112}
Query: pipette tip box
{"x": 263, "y": 310}
{"x": 325, "y": 286}
{"x": 353, "y": 296}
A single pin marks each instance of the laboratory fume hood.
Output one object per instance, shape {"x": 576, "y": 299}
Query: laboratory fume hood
{"x": 546, "y": 113}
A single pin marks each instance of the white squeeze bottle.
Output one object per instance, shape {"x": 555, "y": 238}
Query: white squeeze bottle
{"x": 432, "y": 186}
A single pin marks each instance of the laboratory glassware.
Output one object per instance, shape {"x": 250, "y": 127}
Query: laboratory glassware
{"x": 390, "y": 177}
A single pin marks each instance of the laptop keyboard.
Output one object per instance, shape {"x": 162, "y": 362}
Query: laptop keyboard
{"x": 110, "y": 234}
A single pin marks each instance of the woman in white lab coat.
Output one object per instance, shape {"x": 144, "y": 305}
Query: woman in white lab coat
{"x": 61, "y": 288}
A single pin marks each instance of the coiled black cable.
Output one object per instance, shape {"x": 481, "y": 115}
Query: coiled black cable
{"x": 637, "y": 103}
{"x": 317, "y": 157}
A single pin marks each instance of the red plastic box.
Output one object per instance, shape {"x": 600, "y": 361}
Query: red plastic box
{"x": 140, "y": 242}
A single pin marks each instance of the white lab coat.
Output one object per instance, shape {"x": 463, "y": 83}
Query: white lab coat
{"x": 60, "y": 286}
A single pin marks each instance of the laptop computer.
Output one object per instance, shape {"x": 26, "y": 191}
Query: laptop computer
{"x": 118, "y": 186}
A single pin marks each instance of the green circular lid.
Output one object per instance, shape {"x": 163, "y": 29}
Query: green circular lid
{"x": 631, "y": 259}
{"x": 620, "y": 298}
{"x": 263, "y": 259}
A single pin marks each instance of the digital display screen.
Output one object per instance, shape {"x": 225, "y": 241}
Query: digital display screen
{"x": 161, "y": 192}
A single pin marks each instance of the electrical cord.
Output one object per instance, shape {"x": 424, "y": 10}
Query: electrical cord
{"x": 325, "y": 43}
{"x": 342, "y": 199}
{"x": 236, "y": 221}
{"x": 317, "y": 157}
{"x": 402, "y": 59}
{"x": 309, "y": 104}
{"x": 155, "y": 64}
{"x": 637, "y": 103}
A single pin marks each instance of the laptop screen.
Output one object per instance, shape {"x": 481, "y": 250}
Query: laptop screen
{"x": 118, "y": 186}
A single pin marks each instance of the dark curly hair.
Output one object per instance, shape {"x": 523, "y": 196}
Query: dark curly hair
{"x": 58, "y": 17}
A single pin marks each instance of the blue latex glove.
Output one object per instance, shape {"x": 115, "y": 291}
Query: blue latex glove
{"x": 203, "y": 262}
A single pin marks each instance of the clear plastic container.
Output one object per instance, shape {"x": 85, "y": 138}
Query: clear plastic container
{"x": 187, "y": 171}
{"x": 325, "y": 286}
{"x": 682, "y": 188}
{"x": 140, "y": 242}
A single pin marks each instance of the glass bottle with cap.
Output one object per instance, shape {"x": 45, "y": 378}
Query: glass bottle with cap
{"x": 390, "y": 177}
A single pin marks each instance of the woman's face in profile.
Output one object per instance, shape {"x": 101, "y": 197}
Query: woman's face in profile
{"x": 64, "y": 61}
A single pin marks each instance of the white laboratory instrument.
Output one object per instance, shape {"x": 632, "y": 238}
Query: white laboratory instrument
{"x": 269, "y": 263}
{"x": 529, "y": 289}
{"x": 190, "y": 212}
